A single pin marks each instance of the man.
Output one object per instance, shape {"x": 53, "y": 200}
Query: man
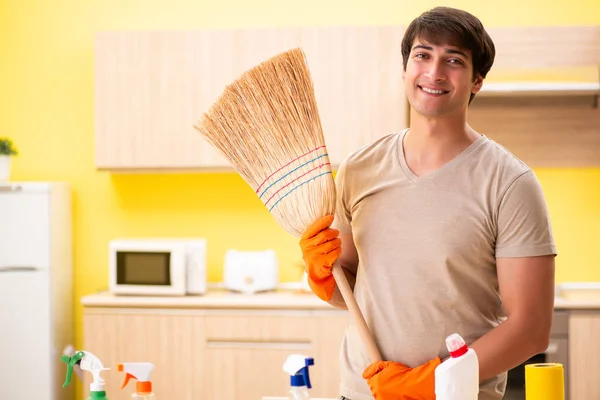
{"x": 439, "y": 230}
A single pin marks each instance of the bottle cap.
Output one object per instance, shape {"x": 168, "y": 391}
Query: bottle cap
{"x": 456, "y": 345}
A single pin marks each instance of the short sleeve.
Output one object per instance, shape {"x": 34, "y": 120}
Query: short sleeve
{"x": 343, "y": 216}
{"x": 524, "y": 228}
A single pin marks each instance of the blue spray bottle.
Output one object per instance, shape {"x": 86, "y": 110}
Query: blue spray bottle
{"x": 296, "y": 366}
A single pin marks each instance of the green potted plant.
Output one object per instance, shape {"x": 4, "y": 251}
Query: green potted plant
{"x": 7, "y": 149}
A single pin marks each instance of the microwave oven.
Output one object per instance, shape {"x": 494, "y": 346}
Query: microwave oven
{"x": 170, "y": 267}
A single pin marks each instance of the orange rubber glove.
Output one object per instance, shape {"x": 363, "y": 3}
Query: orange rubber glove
{"x": 320, "y": 248}
{"x": 394, "y": 381}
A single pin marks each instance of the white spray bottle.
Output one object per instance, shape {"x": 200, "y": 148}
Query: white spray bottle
{"x": 87, "y": 362}
{"x": 140, "y": 371}
{"x": 457, "y": 378}
{"x": 296, "y": 366}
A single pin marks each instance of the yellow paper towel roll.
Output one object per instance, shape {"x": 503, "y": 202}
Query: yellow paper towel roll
{"x": 544, "y": 381}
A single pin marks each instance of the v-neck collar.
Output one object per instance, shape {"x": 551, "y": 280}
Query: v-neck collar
{"x": 413, "y": 177}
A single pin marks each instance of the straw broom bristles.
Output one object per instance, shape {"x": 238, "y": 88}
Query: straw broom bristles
{"x": 266, "y": 123}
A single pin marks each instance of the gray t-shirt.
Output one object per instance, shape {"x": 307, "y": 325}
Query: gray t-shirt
{"x": 427, "y": 249}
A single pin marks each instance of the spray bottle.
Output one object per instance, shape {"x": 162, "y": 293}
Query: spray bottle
{"x": 140, "y": 371}
{"x": 87, "y": 362}
{"x": 296, "y": 366}
{"x": 457, "y": 378}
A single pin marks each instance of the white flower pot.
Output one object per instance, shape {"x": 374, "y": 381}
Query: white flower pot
{"x": 4, "y": 168}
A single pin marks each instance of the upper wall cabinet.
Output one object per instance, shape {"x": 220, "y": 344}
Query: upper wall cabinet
{"x": 152, "y": 87}
{"x": 545, "y": 122}
{"x": 531, "y": 47}
{"x": 556, "y": 51}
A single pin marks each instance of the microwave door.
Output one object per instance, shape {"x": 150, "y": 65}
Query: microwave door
{"x": 147, "y": 272}
{"x": 24, "y": 332}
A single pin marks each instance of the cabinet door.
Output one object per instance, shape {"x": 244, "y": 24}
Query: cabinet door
{"x": 584, "y": 347}
{"x": 165, "y": 340}
{"x": 246, "y": 353}
{"x": 152, "y": 87}
{"x": 330, "y": 333}
{"x": 357, "y": 75}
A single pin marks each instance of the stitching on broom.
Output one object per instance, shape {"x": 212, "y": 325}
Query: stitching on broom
{"x": 298, "y": 177}
{"x": 268, "y": 177}
{"x": 300, "y": 166}
{"x": 282, "y": 197}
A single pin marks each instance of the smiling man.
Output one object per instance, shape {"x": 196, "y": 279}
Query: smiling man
{"x": 439, "y": 229}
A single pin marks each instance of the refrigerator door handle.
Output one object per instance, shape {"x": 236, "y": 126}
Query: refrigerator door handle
{"x": 17, "y": 268}
{"x": 10, "y": 188}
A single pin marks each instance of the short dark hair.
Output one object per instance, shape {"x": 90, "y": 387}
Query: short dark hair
{"x": 446, "y": 25}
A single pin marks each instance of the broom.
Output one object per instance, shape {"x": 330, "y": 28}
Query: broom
{"x": 266, "y": 123}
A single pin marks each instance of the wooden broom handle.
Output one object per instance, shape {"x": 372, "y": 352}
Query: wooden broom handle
{"x": 348, "y": 295}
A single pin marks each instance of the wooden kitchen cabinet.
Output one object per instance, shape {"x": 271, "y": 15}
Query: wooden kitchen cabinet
{"x": 208, "y": 351}
{"x": 249, "y": 352}
{"x": 545, "y": 124}
{"x": 166, "y": 340}
{"x": 151, "y": 87}
{"x": 584, "y": 350}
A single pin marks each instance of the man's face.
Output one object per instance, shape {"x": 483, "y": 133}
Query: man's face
{"x": 439, "y": 79}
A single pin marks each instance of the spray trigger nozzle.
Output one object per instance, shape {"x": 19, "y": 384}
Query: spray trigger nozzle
{"x": 140, "y": 371}
{"x": 71, "y": 361}
{"x": 126, "y": 381}
{"x": 296, "y": 366}
{"x": 87, "y": 362}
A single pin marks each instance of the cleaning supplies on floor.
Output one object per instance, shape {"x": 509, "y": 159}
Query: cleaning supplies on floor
{"x": 457, "y": 378}
{"x": 141, "y": 372}
{"x": 296, "y": 365}
{"x": 87, "y": 362}
{"x": 544, "y": 381}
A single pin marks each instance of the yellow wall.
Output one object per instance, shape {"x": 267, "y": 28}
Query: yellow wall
{"x": 46, "y": 106}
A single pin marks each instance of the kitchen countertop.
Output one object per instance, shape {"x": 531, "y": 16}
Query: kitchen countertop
{"x": 213, "y": 299}
{"x": 582, "y": 303}
{"x": 279, "y": 299}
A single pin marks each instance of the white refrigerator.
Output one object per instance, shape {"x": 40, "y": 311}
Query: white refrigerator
{"x": 36, "y": 295}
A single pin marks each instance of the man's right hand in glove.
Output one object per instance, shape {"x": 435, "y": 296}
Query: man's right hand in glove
{"x": 321, "y": 247}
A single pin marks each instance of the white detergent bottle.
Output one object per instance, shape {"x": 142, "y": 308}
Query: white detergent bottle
{"x": 296, "y": 366}
{"x": 457, "y": 378}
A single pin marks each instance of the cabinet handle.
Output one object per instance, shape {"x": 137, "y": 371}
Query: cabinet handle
{"x": 17, "y": 268}
{"x": 249, "y": 344}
